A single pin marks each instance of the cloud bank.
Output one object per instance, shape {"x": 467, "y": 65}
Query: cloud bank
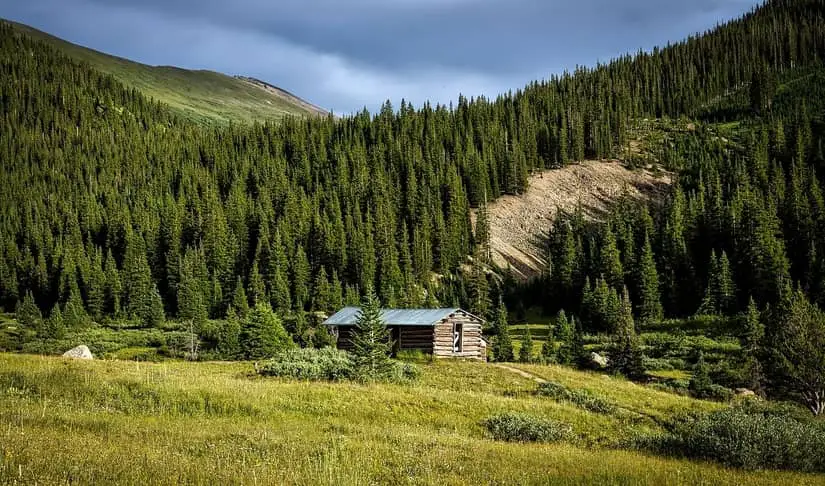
{"x": 348, "y": 54}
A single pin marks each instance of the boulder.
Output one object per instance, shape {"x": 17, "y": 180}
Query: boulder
{"x": 745, "y": 393}
{"x": 598, "y": 361}
{"x": 79, "y": 352}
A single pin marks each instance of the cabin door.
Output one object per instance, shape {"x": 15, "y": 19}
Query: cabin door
{"x": 395, "y": 336}
{"x": 458, "y": 337}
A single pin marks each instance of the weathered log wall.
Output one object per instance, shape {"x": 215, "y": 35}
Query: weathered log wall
{"x": 471, "y": 345}
{"x": 437, "y": 339}
{"x": 406, "y": 337}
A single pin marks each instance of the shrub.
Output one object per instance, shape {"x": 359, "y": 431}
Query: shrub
{"x": 328, "y": 364}
{"x": 415, "y": 356}
{"x": 658, "y": 364}
{"x": 518, "y": 427}
{"x": 310, "y": 364}
{"x": 407, "y": 372}
{"x": 746, "y": 439}
{"x": 772, "y": 408}
{"x": 584, "y": 399}
{"x": 718, "y": 393}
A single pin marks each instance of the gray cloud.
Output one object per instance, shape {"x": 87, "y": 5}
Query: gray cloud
{"x": 348, "y": 54}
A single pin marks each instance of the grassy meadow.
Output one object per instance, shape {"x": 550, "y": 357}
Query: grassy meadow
{"x": 64, "y": 421}
{"x": 670, "y": 346}
{"x": 199, "y": 95}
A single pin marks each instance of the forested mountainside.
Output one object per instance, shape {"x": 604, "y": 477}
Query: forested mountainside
{"x": 205, "y": 97}
{"x": 115, "y": 206}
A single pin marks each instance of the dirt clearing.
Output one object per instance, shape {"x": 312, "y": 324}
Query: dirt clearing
{"x": 519, "y": 224}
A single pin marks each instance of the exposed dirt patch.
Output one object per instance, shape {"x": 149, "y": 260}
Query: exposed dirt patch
{"x": 523, "y": 373}
{"x": 519, "y": 224}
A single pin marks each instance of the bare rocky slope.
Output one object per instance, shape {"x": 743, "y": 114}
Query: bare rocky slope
{"x": 519, "y": 224}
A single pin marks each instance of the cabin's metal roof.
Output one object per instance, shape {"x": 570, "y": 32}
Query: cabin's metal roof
{"x": 393, "y": 317}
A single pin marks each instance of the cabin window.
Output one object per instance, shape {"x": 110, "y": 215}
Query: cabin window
{"x": 458, "y": 337}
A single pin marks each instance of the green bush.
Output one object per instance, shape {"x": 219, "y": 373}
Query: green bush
{"x": 658, "y": 364}
{"x": 517, "y": 427}
{"x": 328, "y": 364}
{"x": 415, "y": 356}
{"x": 310, "y": 364}
{"x": 780, "y": 409}
{"x": 584, "y": 399}
{"x": 407, "y": 372}
{"x": 718, "y": 393}
{"x": 749, "y": 439}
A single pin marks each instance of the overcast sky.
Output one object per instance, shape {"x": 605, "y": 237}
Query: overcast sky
{"x": 347, "y": 54}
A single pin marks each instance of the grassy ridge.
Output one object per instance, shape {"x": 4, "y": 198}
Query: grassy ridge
{"x": 202, "y": 96}
{"x": 135, "y": 423}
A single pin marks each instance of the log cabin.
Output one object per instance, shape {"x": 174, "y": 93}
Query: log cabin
{"x": 444, "y": 333}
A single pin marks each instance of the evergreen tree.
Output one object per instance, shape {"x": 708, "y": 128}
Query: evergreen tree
{"x": 610, "y": 261}
{"x": 321, "y": 292}
{"x": 192, "y": 300}
{"x": 96, "y": 288}
{"x": 240, "y": 304}
{"x": 137, "y": 276}
{"x": 322, "y": 338}
{"x": 649, "y": 308}
{"x": 28, "y": 315}
{"x": 257, "y": 288}
{"x": 565, "y": 333}
{"x": 525, "y": 354}
{"x": 152, "y": 314}
{"x": 754, "y": 330}
{"x": 74, "y": 315}
{"x": 548, "y": 349}
{"x": 627, "y": 357}
{"x": 798, "y": 352}
{"x": 502, "y": 344}
{"x": 113, "y": 286}
{"x": 754, "y": 333}
{"x": 700, "y": 383}
{"x": 262, "y": 333}
{"x": 229, "y": 335}
{"x": 300, "y": 280}
{"x": 279, "y": 292}
{"x": 55, "y": 327}
{"x": 371, "y": 346}
{"x": 336, "y": 292}
{"x": 720, "y": 294}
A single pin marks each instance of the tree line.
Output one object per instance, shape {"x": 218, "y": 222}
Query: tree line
{"x": 113, "y": 208}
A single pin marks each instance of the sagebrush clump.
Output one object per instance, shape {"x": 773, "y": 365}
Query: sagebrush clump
{"x": 329, "y": 364}
{"x": 310, "y": 364}
{"x": 749, "y": 439}
{"x": 581, "y": 398}
{"x": 519, "y": 427}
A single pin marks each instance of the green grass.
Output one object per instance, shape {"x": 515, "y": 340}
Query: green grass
{"x": 196, "y": 423}
{"x": 201, "y": 96}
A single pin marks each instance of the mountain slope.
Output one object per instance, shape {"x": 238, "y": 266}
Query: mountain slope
{"x": 519, "y": 224}
{"x": 202, "y": 96}
{"x": 332, "y": 207}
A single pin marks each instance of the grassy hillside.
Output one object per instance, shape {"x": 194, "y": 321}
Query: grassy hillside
{"x": 203, "y": 96}
{"x": 136, "y": 423}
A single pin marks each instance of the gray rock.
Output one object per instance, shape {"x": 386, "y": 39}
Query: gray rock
{"x": 745, "y": 393}
{"x": 79, "y": 352}
{"x": 598, "y": 361}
